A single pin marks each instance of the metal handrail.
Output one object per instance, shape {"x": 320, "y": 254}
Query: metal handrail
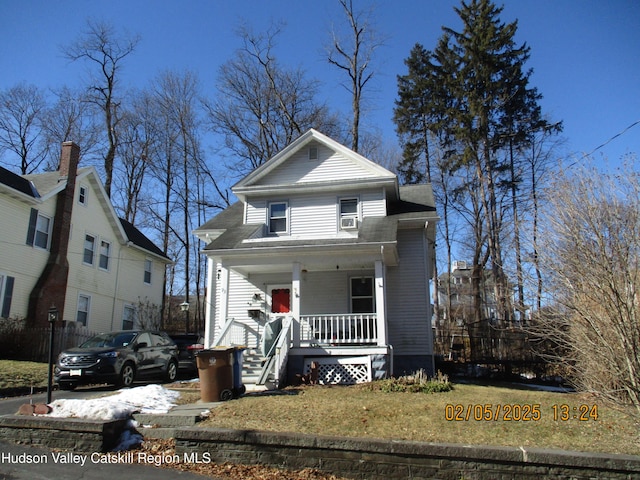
{"x": 278, "y": 354}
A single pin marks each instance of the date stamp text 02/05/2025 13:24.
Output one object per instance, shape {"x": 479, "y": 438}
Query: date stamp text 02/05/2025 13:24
{"x": 515, "y": 412}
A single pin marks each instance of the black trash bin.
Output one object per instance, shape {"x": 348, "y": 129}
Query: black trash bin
{"x": 215, "y": 371}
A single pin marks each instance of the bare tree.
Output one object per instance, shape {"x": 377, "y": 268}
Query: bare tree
{"x": 591, "y": 251}
{"x": 261, "y": 106}
{"x": 104, "y": 51}
{"x": 70, "y": 119}
{"x": 22, "y": 112}
{"x": 354, "y": 57}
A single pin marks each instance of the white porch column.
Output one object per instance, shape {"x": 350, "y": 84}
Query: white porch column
{"x": 210, "y": 308}
{"x": 222, "y": 276}
{"x": 381, "y": 302}
{"x": 296, "y": 284}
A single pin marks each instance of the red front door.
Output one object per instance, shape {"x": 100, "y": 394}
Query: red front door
{"x": 280, "y": 300}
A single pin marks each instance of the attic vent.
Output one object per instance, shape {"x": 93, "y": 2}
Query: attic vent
{"x": 313, "y": 153}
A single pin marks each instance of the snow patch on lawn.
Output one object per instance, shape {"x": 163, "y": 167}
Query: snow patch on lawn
{"x": 154, "y": 399}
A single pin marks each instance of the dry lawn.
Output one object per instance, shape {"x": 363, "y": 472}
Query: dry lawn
{"x": 356, "y": 411}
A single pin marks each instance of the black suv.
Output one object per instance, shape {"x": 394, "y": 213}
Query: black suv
{"x": 118, "y": 358}
{"x": 188, "y": 345}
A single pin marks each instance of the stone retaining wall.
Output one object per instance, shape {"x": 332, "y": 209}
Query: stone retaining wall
{"x": 359, "y": 458}
{"x": 74, "y": 434}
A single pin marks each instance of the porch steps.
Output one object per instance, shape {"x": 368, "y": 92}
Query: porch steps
{"x": 252, "y": 361}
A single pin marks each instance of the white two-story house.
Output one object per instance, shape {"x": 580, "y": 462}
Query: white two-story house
{"x": 63, "y": 246}
{"x": 325, "y": 259}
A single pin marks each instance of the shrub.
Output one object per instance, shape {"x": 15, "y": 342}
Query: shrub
{"x": 419, "y": 382}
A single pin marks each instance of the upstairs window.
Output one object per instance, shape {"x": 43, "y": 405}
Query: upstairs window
{"x": 313, "y": 153}
{"x": 83, "y": 195}
{"x": 89, "y": 249}
{"x": 348, "y": 213}
{"x": 105, "y": 254}
{"x": 39, "y": 233}
{"x": 278, "y": 217}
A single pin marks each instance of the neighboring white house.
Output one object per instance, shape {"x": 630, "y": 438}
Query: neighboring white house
{"x": 326, "y": 248}
{"x": 107, "y": 266}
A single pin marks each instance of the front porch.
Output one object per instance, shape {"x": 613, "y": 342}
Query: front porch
{"x": 345, "y": 348}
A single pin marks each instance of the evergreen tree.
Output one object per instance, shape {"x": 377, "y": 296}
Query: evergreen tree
{"x": 471, "y": 95}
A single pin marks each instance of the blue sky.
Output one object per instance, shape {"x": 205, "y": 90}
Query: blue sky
{"x": 585, "y": 53}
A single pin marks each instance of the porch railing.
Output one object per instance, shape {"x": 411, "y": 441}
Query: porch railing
{"x": 339, "y": 329}
{"x": 276, "y": 363}
{"x": 234, "y": 333}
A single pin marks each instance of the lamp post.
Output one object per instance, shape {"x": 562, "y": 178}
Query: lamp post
{"x": 184, "y": 307}
{"x": 53, "y": 318}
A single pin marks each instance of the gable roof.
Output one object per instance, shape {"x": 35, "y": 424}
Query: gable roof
{"x": 39, "y": 187}
{"x": 265, "y": 178}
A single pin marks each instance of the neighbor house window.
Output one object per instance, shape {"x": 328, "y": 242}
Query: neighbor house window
{"x": 6, "y": 294}
{"x": 84, "y": 304}
{"x": 83, "y": 195}
{"x": 148, "y": 266}
{"x": 39, "y": 233}
{"x": 313, "y": 153}
{"x": 89, "y": 249}
{"x": 105, "y": 254}
{"x": 128, "y": 317}
{"x": 278, "y": 217}
{"x": 362, "y": 300}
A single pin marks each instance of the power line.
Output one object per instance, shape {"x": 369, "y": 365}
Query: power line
{"x": 605, "y": 143}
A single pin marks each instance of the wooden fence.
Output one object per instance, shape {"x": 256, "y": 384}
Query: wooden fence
{"x": 32, "y": 343}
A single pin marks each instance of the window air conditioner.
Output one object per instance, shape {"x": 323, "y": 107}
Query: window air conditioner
{"x": 348, "y": 223}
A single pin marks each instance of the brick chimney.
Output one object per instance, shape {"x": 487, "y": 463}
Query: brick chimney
{"x": 69, "y": 159}
{"x": 51, "y": 288}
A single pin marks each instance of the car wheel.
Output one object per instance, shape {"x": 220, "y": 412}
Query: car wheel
{"x": 172, "y": 371}
{"x": 67, "y": 386}
{"x": 127, "y": 375}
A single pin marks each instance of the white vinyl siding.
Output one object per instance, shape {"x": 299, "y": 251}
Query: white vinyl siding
{"x": 328, "y": 166}
{"x": 408, "y": 302}
{"x": 316, "y": 215}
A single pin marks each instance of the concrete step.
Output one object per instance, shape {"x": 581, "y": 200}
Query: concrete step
{"x": 179, "y": 416}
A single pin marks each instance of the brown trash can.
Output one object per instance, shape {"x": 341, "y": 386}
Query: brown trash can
{"x": 215, "y": 371}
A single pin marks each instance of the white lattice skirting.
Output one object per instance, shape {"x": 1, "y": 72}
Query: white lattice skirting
{"x": 341, "y": 370}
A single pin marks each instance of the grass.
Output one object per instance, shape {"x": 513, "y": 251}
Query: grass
{"x": 22, "y": 375}
{"x": 367, "y": 411}
{"x": 387, "y": 409}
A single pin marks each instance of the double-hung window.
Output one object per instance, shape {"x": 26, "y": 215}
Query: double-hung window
{"x": 89, "y": 249}
{"x": 39, "y": 233}
{"x": 278, "y": 217}
{"x": 128, "y": 317}
{"x": 362, "y": 299}
{"x": 6, "y": 294}
{"x": 84, "y": 305}
{"x": 148, "y": 267}
{"x": 105, "y": 254}
{"x": 348, "y": 213}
